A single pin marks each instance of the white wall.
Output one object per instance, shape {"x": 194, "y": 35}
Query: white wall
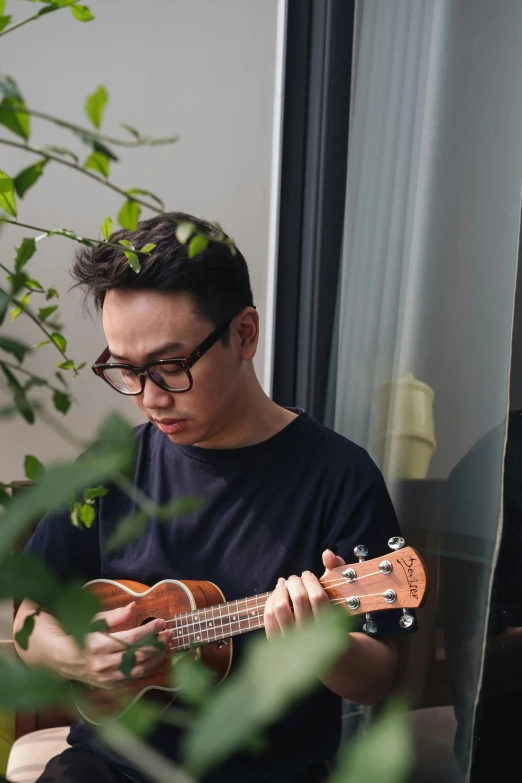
{"x": 203, "y": 69}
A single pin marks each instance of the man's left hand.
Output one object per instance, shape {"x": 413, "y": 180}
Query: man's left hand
{"x": 298, "y": 597}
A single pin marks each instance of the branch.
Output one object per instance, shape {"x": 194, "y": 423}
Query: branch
{"x": 76, "y": 167}
{"x": 36, "y": 16}
{"x": 37, "y": 321}
{"x": 50, "y": 232}
{"x": 34, "y": 290}
{"x": 45, "y": 383}
{"x": 142, "y": 141}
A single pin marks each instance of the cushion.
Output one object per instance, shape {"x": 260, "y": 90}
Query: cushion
{"x": 30, "y": 753}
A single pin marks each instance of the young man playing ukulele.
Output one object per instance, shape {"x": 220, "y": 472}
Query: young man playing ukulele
{"x": 284, "y": 500}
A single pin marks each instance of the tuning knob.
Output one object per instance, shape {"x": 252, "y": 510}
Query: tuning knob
{"x": 370, "y": 626}
{"x": 361, "y": 553}
{"x": 397, "y": 542}
{"x": 407, "y": 619}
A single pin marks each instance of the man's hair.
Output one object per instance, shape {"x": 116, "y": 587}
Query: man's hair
{"x": 217, "y": 281}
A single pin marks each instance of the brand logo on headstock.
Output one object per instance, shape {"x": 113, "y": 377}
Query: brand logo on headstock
{"x": 407, "y": 564}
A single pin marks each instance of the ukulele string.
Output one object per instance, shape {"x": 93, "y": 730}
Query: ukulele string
{"x": 344, "y": 580}
{"x": 327, "y": 584}
{"x": 228, "y": 621}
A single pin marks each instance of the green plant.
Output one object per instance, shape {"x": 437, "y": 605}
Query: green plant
{"x": 209, "y": 738}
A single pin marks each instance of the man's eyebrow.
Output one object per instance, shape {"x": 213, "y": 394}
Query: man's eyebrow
{"x": 163, "y": 349}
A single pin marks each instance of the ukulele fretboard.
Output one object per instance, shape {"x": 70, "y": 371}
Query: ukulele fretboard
{"x": 221, "y": 621}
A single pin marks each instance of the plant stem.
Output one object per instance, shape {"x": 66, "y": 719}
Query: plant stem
{"x": 78, "y": 168}
{"x": 50, "y": 232}
{"x": 31, "y": 375}
{"x": 26, "y": 21}
{"x": 144, "y": 141}
{"x": 34, "y": 290}
{"x": 37, "y": 321}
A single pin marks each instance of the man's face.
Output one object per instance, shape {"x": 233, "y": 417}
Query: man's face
{"x": 141, "y": 326}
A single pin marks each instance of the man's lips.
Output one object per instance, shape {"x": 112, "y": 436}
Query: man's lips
{"x": 170, "y": 426}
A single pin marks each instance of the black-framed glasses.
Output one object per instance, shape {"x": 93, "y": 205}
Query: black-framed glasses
{"x": 172, "y": 375}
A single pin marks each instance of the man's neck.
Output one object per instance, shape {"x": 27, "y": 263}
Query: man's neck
{"x": 257, "y": 420}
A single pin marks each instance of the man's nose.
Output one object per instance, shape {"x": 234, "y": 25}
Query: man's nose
{"x": 154, "y": 396}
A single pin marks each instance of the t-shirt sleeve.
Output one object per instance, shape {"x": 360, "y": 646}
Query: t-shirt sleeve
{"x": 370, "y": 520}
{"x": 71, "y": 553}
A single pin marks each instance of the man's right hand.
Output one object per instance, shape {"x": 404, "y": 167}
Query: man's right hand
{"x": 99, "y": 662}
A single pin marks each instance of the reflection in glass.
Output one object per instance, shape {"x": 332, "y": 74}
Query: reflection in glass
{"x": 425, "y": 305}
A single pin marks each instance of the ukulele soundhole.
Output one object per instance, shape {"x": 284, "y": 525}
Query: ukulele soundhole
{"x": 147, "y": 620}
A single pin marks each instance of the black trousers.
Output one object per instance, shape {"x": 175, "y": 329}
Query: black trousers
{"x": 76, "y": 765}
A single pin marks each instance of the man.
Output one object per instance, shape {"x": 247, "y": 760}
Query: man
{"x": 285, "y": 498}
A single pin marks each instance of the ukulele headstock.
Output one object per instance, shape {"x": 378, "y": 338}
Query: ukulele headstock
{"x": 395, "y": 581}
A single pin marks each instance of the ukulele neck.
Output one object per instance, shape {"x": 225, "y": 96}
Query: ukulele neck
{"x": 215, "y": 623}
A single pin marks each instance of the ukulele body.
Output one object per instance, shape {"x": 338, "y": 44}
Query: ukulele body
{"x": 165, "y": 600}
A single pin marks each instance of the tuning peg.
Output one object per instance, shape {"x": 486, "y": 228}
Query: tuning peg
{"x": 397, "y": 542}
{"x": 370, "y": 626}
{"x": 407, "y": 619}
{"x": 361, "y": 553}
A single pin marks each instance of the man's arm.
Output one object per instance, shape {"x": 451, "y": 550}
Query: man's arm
{"x": 98, "y": 664}
{"x": 366, "y": 670}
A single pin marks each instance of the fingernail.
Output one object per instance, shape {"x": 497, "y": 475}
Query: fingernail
{"x": 281, "y": 581}
{"x": 306, "y": 573}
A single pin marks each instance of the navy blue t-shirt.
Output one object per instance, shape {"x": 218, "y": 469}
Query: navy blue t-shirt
{"x": 270, "y": 510}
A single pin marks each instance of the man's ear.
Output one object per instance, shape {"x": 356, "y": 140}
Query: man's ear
{"x": 248, "y": 332}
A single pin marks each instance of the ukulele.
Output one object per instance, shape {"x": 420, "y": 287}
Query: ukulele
{"x": 203, "y": 621}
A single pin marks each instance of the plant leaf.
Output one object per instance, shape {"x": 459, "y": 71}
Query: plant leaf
{"x": 9, "y": 88}
{"x": 24, "y": 253}
{"x": 24, "y": 407}
{"x": 62, "y": 401}
{"x": 274, "y": 675}
{"x": 4, "y": 304}
{"x": 148, "y": 248}
{"x": 59, "y": 340}
{"x": 52, "y": 293}
{"x": 103, "y": 463}
{"x": 7, "y": 196}
{"x": 95, "y": 144}
{"x": 95, "y": 106}
{"x": 98, "y": 161}
{"x": 82, "y": 13}
{"x": 13, "y": 115}
{"x": 86, "y": 514}
{"x": 75, "y": 608}
{"x": 4, "y": 21}
{"x": 129, "y": 214}
{"x": 14, "y": 347}
{"x": 68, "y": 365}
{"x": 60, "y": 151}
{"x": 197, "y": 245}
{"x": 94, "y": 492}
{"x": 33, "y": 468}
{"x": 184, "y": 231}
{"x": 132, "y": 258}
{"x": 140, "y": 192}
{"x": 383, "y": 752}
{"x": 131, "y": 130}
{"x": 128, "y": 661}
{"x": 22, "y": 636}
{"x": 45, "y": 312}
{"x": 106, "y": 228}
{"x": 128, "y": 529}
{"x": 26, "y": 576}
{"x": 26, "y": 178}
{"x": 23, "y": 688}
